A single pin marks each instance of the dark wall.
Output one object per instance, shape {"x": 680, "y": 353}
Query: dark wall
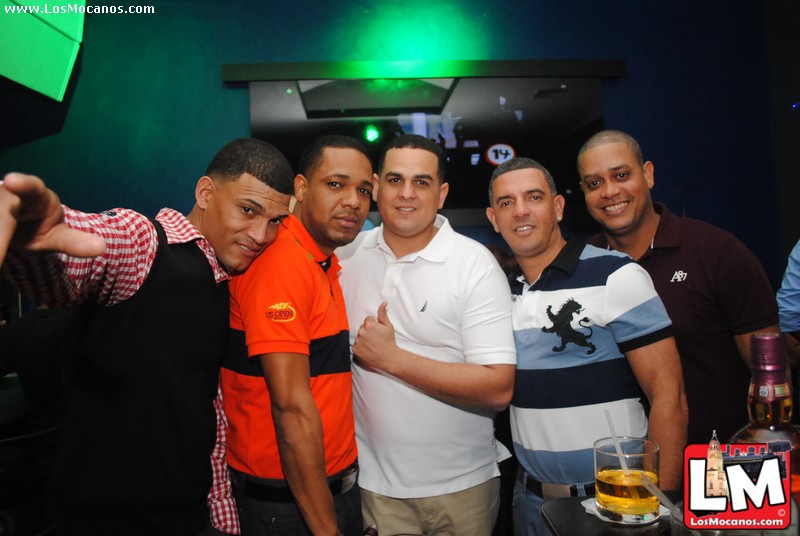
{"x": 149, "y": 108}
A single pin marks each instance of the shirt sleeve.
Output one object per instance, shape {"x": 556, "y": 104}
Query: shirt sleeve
{"x": 276, "y": 297}
{"x": 487, "y": 332}
{"x": 743, "y": 290}
{"x": 224, "y": 516}
{"x": 789, "y": 293}
{"x": 633, "y": 311}
{"x": 59, "y": 280}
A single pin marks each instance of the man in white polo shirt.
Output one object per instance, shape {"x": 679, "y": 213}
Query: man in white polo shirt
{"x": 434, "y": 357}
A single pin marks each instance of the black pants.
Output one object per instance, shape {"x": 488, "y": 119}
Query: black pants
{"x": 261, "y": 518}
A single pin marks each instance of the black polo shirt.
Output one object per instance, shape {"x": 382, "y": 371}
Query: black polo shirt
{"x": 713, "y": 288}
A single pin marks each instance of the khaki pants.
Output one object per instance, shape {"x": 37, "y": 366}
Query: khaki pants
{"x": 471, "y": 512}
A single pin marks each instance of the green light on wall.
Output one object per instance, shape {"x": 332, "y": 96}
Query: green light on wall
{"x": 372, "y": 133}
{"x": 413, "y": 30}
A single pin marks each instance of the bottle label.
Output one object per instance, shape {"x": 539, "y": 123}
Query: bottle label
{"x": 768, "y": 391}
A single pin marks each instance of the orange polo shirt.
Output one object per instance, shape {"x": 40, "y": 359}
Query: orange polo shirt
{"x": 288, "y": 301}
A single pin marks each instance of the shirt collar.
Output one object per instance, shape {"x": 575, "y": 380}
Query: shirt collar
{"x": 293, "y": 226}
{"x": 179, "y": 230}
{"x": 668, "y": 233}
{"x": 177, "y": 227}
{"x": 437, "y": 250}
{"x": 566, "y": 261}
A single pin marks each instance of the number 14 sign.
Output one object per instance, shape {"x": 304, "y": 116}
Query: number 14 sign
{"x": 499, "y": 153}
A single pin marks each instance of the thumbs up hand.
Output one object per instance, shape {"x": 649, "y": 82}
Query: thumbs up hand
{"x": 375, "y": 345}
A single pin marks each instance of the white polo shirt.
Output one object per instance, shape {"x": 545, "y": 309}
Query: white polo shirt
{"x": 449, "y": 302}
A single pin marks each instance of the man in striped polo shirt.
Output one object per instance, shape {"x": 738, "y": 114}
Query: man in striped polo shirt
{"x": 591, "y": 335}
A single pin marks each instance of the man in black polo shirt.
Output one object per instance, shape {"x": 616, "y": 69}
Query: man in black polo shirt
{"x": 713, "y": 287}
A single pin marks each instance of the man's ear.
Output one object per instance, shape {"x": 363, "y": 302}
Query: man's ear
{"x": 203, "y": 190}
{"x": 300, "y": 187}
{"x": 444, "y": 189}
{"x": 649, "y": 174}
{"x": 490, "y": 215}
{"x": 375, "y": 182}
{"x": 559, "y": 203}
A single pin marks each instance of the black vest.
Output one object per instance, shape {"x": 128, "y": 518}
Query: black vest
{"x": 141, "y": 425}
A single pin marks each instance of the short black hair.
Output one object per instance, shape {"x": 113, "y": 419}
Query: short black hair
{"x": 612, "y": 136}
{"x": 311, "y": 156}
{"x": 254, "y": 157}
{"x": 414, "y": 141}
{"x": 514, "y": 164}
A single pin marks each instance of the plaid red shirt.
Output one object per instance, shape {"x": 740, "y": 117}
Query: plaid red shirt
{"x": 224, "y": 516}
{"x": 59, "y": 280}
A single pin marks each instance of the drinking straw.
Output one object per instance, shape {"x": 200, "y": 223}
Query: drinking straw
{"x": 617, "y": 445}
{"x": 674, "y": 511}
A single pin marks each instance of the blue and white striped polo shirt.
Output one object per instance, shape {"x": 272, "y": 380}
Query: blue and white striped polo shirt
{"x": 571, "y": 328}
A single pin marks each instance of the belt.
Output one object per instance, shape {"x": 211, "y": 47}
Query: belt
{"x": 549, "y": 490}
{"x": 339, "y": 484}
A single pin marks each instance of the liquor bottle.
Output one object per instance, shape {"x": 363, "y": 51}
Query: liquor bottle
{"x": 769, "y": 402}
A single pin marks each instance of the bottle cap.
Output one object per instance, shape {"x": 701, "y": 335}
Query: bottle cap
{"x": 767, "y": 352}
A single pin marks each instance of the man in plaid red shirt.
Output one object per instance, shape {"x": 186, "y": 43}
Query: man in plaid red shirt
{"x": 142, "y": 371}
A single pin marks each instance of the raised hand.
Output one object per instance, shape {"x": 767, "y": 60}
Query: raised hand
{"x": 31, "y": 218}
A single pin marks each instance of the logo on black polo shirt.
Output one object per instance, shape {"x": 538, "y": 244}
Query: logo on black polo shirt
{"x": 281, "y": 312}
{"x": 679, "y": 276}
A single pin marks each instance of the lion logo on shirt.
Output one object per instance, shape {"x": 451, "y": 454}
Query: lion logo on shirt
{"x": 281, "y": 312}
{"x": 562, "y": 326}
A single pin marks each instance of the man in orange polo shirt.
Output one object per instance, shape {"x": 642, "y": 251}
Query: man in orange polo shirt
{"x": 291, "y": 443}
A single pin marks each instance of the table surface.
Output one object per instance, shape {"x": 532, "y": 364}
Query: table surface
{"x": 566, "y": 517}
